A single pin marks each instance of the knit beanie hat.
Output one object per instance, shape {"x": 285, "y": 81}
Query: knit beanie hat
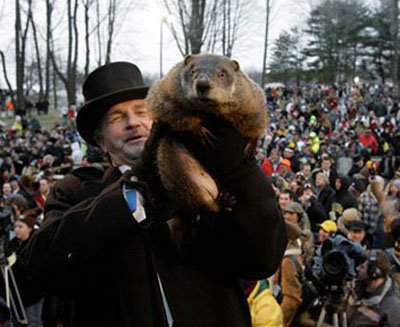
{"x": 349, "y": 215}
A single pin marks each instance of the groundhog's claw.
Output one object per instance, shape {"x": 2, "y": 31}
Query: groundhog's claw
{"x": 250, "y": 150}
{"x": 206, "y": 137}
{"x": 226, "y": 201}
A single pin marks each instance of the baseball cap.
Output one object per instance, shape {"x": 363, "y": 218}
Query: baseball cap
{"x": 294, "y": 207}
{"x": 357, "y": 225}
{"x": 328, "y": 226}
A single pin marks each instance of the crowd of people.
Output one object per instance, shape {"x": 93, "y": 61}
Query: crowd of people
{"x": 332, "y": 156}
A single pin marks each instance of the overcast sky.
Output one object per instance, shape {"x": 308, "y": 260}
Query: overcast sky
{"x": 138, "y": 33}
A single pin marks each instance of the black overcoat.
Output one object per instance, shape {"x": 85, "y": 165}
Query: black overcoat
{"x": 112, "y": 266}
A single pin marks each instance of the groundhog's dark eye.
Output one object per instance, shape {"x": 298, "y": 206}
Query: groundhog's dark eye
{"x": 192, "y": 71}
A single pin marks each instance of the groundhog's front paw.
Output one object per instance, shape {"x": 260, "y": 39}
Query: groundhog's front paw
{"x": 226, "y": 201}
{"x": 205, "y": 136}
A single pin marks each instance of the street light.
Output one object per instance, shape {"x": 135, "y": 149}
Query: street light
{"x": 164, "y": 19}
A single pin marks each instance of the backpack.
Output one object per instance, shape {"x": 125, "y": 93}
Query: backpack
{"x": 309, "y": 293}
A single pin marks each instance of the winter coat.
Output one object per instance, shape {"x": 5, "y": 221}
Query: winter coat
{"x": 325, "y": 197}
{"x": 344, "y": 197}
{"x": 264, "y": 309}
{"x": 290, "y": 282}
{"x": 380, "y": 308}
{"x": 112, "y": 266}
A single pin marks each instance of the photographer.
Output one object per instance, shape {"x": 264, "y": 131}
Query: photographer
{"x": 288, "y": 276}
{"x": 32, "y": 298}
{"x": 315, "y": 211}
{"x": 376, "y": 301}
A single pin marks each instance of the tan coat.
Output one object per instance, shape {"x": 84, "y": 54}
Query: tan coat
{"x": 291, "y": 287}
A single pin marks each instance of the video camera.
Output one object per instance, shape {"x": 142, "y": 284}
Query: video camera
{"x": 336, "y": 261}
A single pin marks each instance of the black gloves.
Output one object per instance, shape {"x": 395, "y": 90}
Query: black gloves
{"x": 225, "y": 152}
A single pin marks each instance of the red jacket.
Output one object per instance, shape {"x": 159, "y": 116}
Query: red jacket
{"x": 369, "y": 141}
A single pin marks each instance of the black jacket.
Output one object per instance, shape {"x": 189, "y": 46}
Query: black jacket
{"x": 110, "y": 264}
{"x": 325, "y": 197}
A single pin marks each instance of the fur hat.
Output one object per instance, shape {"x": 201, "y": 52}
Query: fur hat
{"x": 349, "y": 215}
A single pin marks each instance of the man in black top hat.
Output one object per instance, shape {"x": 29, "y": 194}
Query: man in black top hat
{"x": 113, "y": 254}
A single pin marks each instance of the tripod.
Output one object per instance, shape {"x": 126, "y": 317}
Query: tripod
{"x": 13, "y": 297}
{"x": 335, "y": 305}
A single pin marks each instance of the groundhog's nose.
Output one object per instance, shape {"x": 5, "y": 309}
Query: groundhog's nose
{"x": 202, "y": 87}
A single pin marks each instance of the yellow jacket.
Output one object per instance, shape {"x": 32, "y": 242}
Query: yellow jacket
{"x": 264, "y": 310}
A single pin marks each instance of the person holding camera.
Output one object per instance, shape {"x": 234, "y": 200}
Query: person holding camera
{"x": 376, "y": 301}
{"x": 288, "y": 278}
{"x": 31, "y": 295}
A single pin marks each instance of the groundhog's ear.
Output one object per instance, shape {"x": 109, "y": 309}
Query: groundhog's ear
{"x": 235, "y": 65}
{"x": 187, "y": 59}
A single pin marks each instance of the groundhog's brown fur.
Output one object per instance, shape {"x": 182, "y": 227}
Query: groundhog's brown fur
{"x": 212, "y": 84}
{"x": 202, "y": 84}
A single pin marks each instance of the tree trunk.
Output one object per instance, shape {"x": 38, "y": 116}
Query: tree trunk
{"x": 86, "y": 5}
{"x": 18, "y": 58}
{"x": 264, "y": 69}
{"x": 49, "y": 37}
{"x": 111, "y": 23}
{"x": 38, "y": 59}
{"x": 395, "y": 60}
{"x": 10, "y": 89}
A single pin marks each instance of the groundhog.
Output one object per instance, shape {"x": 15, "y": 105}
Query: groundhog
{"x": 202, "y": 85}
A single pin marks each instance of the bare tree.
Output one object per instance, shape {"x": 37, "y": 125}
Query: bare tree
{"x": 69, "y": 77}
{"x": 49, "y": 38}
{"x": 264, "y": 67}
{"x": 231, "y": 13}
{"x": 86, "y": 6}
{"x": 39, "y": 72}
{"x": 20, "y": 47}
{"x": 112, "y": 7}
{"x": 395, "y": 36}
{"x": 195, "y": 19}
{"x": 3, "y": 63}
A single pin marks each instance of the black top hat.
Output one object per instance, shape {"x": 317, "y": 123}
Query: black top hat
{"x": 104, "y": 87}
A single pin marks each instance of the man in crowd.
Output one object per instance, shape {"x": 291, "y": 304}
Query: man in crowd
{"x": 327, "y": 229}
{"x": 325, "y": 193}
{"x": 357, "y": 233}
{"x": 114, "y": 255}
{"x": 285, "y": 197}
{"x": 377, "y": 301}
{"x": 288, "y": 276}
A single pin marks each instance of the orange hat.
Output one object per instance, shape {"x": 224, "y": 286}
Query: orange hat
{"x": 286, "y": 162}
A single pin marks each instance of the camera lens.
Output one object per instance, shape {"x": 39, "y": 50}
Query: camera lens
{"x": 335, "y": 265}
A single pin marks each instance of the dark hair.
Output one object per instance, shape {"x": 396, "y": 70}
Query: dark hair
{"x": 287, "y": 191}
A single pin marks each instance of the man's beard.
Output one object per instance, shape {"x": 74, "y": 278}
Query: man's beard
{"x": 133, "y": 153}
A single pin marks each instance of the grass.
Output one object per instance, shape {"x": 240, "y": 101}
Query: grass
{"x": 47, "y": 121}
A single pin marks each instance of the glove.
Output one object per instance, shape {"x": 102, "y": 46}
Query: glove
{"x": 224, "y": 153}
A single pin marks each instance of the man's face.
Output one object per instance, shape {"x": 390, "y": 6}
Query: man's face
{"x": 338, "y": 184}
{"x": 326, "y": 164}
{"x": 284, "y": 199}
{"x": 292, "y": 217}
{"x": 362, "y": 271}
{"x": 320, "y": 181}
{"x": 43, "y": 186}
{"x": 323, "y": 235}
{"x": 124, "y": 130}
{"x": 306, "y": 170}
{"x": 357, "y": 235}
{"x": 14, "y": 185}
